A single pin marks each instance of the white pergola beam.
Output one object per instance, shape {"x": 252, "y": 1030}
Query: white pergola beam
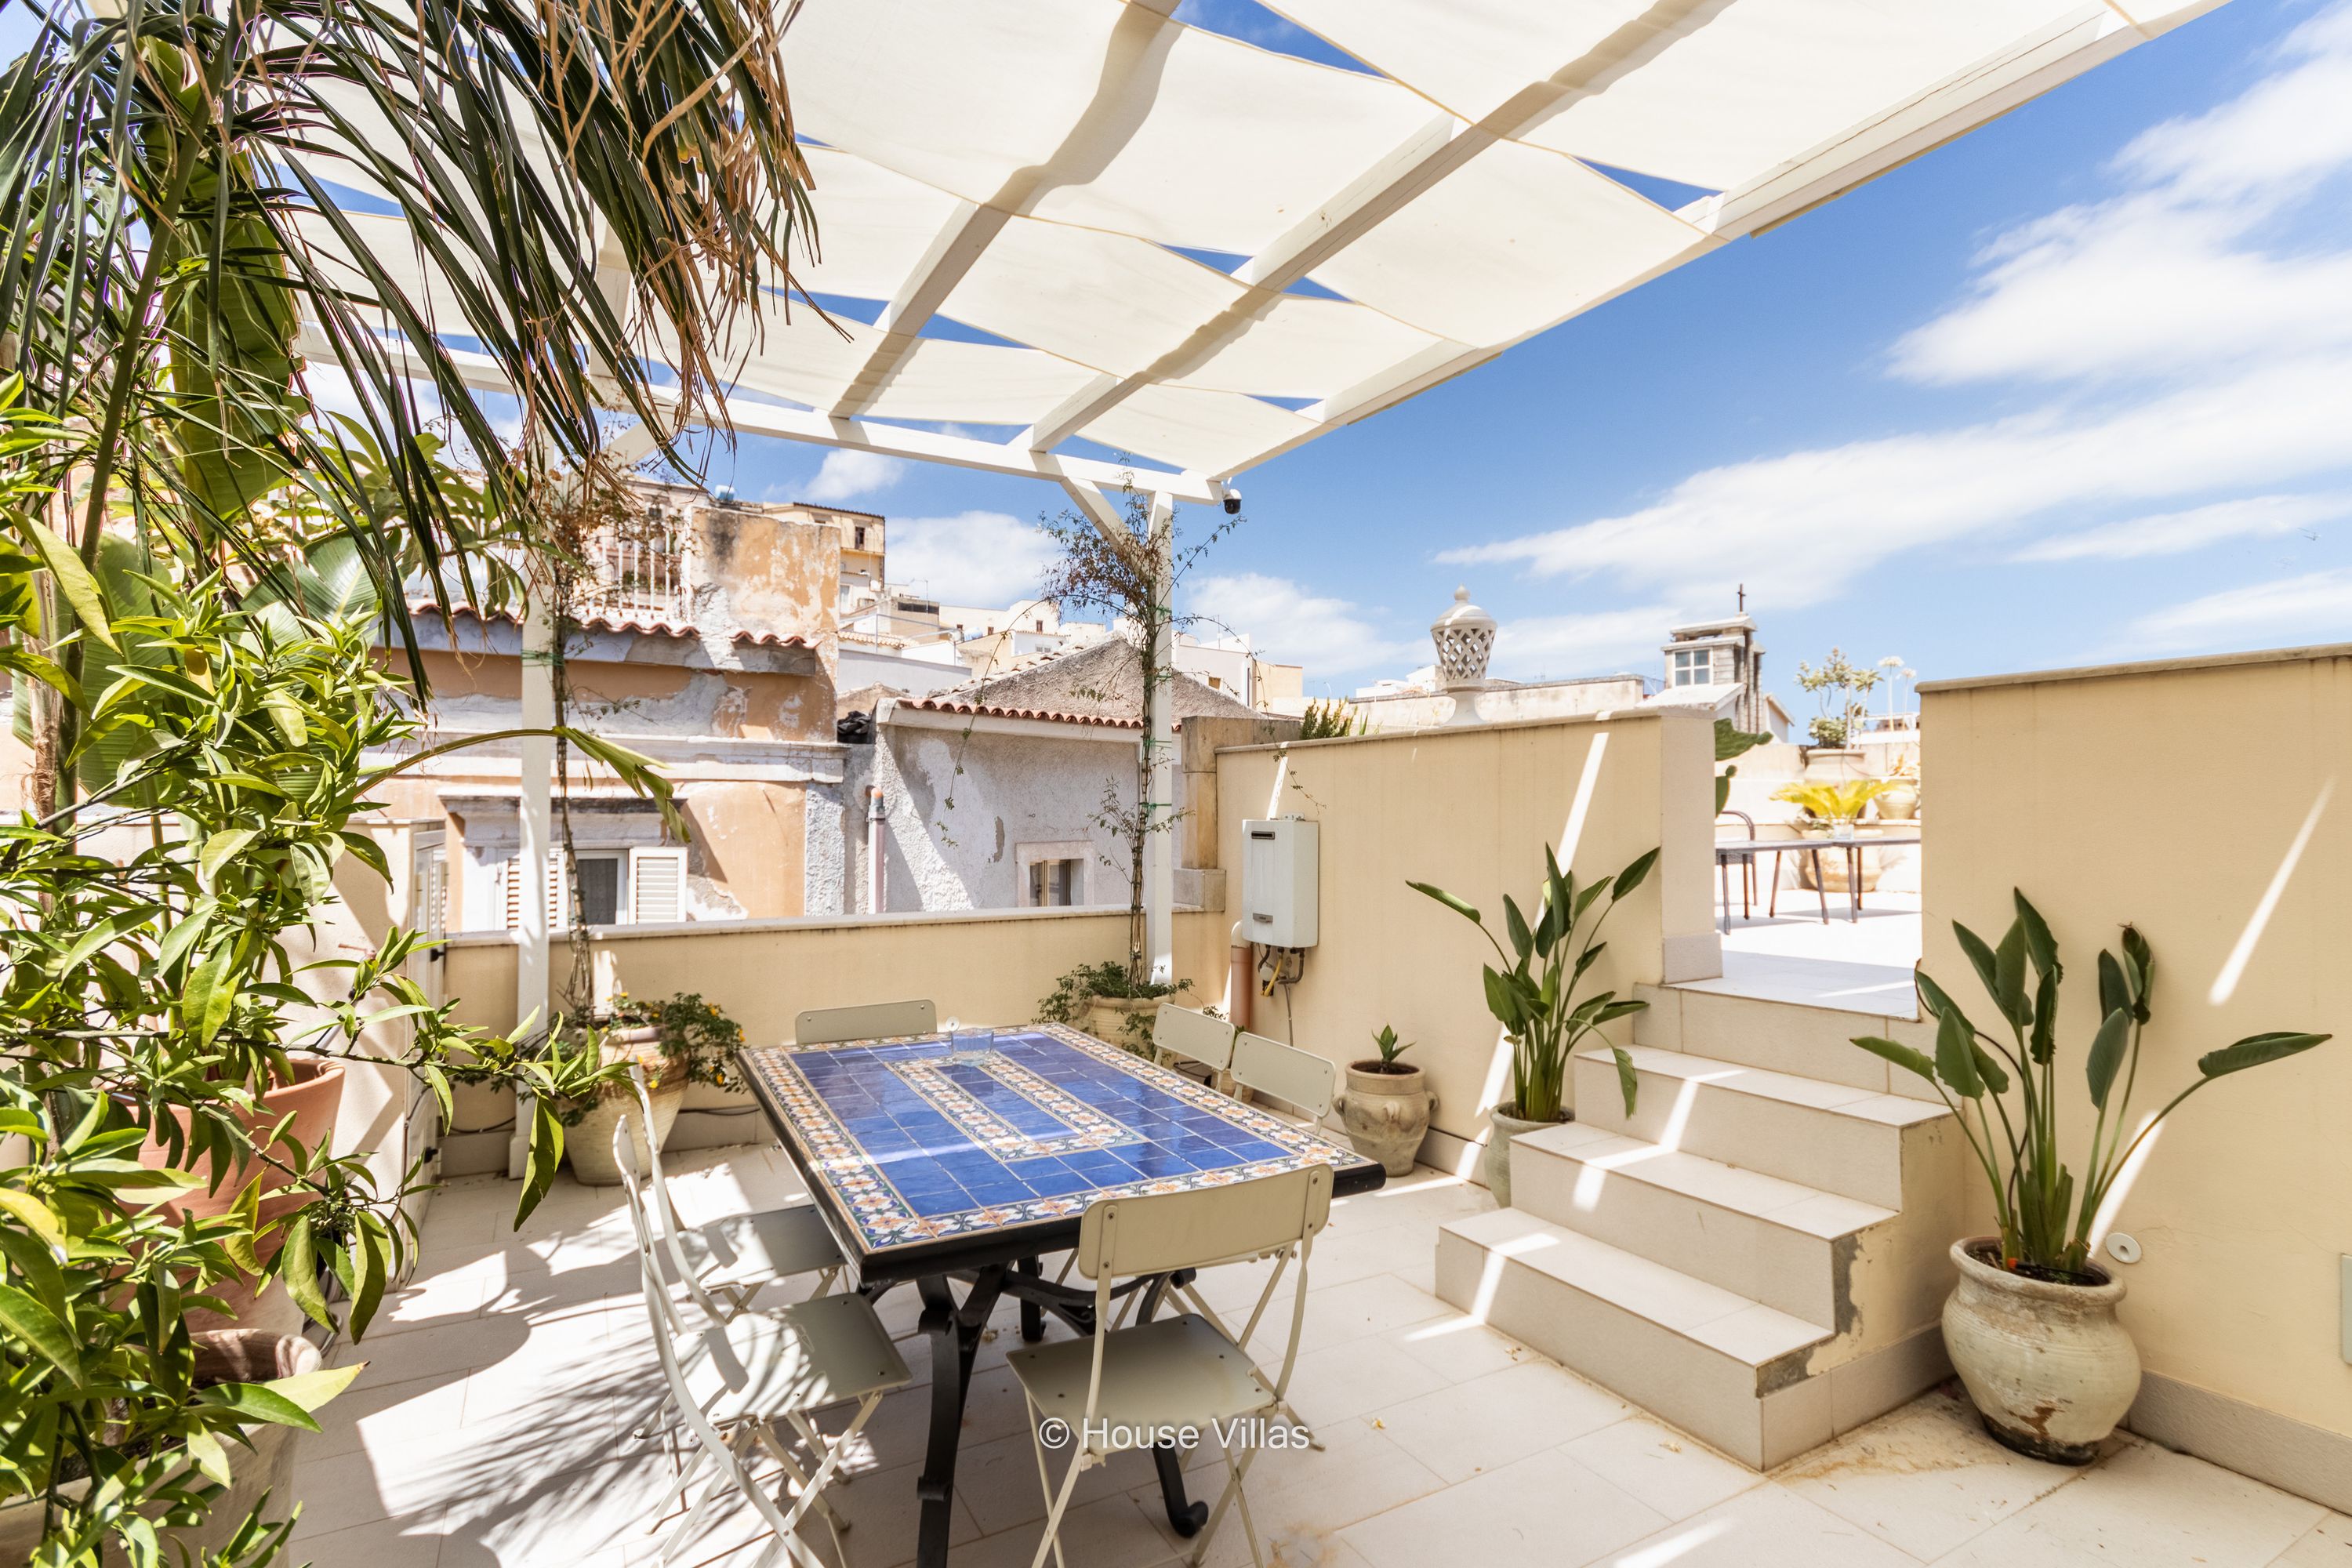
{"x": 959, "y": 242}
{"x": 482, "y": 372}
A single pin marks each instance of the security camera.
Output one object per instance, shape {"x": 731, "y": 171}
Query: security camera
{"x": 1233, "y": 503}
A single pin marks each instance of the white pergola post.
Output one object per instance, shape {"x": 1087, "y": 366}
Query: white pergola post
{"x": 532, "y": 969}
{"x": 1160, "y": 753}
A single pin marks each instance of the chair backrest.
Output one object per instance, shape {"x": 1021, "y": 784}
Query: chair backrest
{"x": 657, "y": 1210}
{"x": 1195, "y": 1037}
{"x": 871, "y": 1021}
{"x": 1159, "y": 1232}
{"x": 1286, "y": 1072}
{"x": 659, "y": 1304}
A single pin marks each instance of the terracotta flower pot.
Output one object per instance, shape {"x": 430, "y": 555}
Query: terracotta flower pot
{"x": 314, "y": 1097}
{"x": 1386, "y": 1113}
{"x": 1112, "y": 1019}
{"x": 2048, "y": 1367}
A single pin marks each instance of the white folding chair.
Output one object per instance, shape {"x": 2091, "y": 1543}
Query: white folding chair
{"x": 871, "y": 1021}
{"x": 1290, "y": 1075}
{"x": 724, "y": 1264}
{"x": 1193, "y": 1036}
{"x": 732, "y": 1257}
{"x": 732, "y": 1380}
{"x": 1113, "y": 1390}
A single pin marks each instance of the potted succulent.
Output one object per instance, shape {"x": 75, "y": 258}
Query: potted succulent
{"x": 681, "y": 1041}
{"x": 1533, "y": 996}
{"x": 2032, "y": 1327}
{"x": 1830, "y": 811}
{"x": 1386, "y": 1105}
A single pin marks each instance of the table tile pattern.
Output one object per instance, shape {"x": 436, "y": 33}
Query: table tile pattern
{"x": 918, "y": 1139}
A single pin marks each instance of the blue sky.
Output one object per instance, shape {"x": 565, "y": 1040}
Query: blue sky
{"x": 1903, "y": 420}
{"x": 2077, "y": 387}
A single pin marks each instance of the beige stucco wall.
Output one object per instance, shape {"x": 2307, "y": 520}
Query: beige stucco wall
{"x": 2174, "y": 796}
{"x": 1471, "y": 811}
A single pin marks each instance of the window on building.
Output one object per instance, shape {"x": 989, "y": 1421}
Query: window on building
{"x": 1054, "y": 884}
{"x": 1037, "y": 626}
{"x": 857, "y": 538}
{"x": 1215, "y": 684}
{"x": 599, "y": 878}
{"x": 1691, "y": 666}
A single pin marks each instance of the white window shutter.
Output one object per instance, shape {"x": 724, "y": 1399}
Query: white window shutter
{"x": 510, "y": 889}
{"x": 656, "y": 885}
{"x": 559, "y": 892}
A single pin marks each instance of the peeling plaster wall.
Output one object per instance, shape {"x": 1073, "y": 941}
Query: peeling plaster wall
{"x": 1011, "y": 790}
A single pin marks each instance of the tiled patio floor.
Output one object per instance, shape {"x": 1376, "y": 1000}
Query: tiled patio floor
{"x": 489, "y": 1429}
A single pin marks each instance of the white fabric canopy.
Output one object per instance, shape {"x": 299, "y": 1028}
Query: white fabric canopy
{"x": 1151, "y": 219}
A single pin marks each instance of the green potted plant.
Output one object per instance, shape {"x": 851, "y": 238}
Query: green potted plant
{"x": 681, "y": 1041}
{"x": 1840, "y": 686}
{"x": 2032, "y": 1327}
{"x": 1386, "y": 1105}
{"x": 1533, "y": 996}
{"x": 1107, "y": 1001}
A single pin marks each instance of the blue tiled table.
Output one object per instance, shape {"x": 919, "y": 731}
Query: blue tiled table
{"x": 933, "y": 1163}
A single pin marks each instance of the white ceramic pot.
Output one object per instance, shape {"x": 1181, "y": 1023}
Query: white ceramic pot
{"x": 1124, "y": 1021}
{"x": 2048, "y": 1365}
{"x": 1386, "y": 1114}
{"x": 589, "y": 1146}
{"x": 1498, "y": 1162}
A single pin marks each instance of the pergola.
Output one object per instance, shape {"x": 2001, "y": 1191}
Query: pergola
{"x": 1082, "y": 228}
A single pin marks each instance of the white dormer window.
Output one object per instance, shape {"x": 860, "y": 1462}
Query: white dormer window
{"x": 1691, "y": 666}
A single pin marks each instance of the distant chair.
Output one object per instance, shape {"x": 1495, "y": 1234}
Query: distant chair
{"x": 1193, "y": 1036}
{"x": 1290, "y": 1075}
{"x": 872, "y": 1021}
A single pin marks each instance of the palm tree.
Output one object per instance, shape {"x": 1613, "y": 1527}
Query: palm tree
{"x": 221, "y": 217}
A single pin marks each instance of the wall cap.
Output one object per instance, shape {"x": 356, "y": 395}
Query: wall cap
{"x": 800, "y": 922}
{"x": 1470, "y": 731}
{"x": 2308, "y": 655}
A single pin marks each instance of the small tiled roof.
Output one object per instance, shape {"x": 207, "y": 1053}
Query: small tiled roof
{"x": 647, "y": 627}
{"x": 1100, "y": 685}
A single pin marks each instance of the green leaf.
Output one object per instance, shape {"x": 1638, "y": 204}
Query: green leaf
{"x": 2107, "y": 1054}
{"x": 259, "y": 1402}
{"x": 310, "y": 1391}
{"x": 220, "y": 849}
{"x": 1901, "y": 1055}
{"x": 369, "y": 1294}
{"x": 297, "y": 1267}
{"x": 546, "y": 1154}
{"x": 1989, "y": 1067}
{"x": 2040, "y": 945}
{"x": 210, "y": 994}
{"x": 210, "y": 1458}
{"x": 2254, "y": 1050}
{"x": 2113, "y": 990}
{"x": 1635, "y": 873}
{"x": 1956, "y": 1058}
{"x": 1980, "y": 956}
{"x": 35, "y": 1216}
{"x": 1523, "y": 939}
{"x": 2008, "y": 971}
{"x": 80, "y": 590}
{"x": 1449, "y": 900}
{"x": 40, "y": 1328}
{"x": 1629, "y": 1082}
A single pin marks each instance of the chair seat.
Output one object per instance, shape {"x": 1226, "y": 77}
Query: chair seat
{"x": 755, "y": 1247}
{"x": 805, "y": 1356}
{"x": 1178, "y": 1372}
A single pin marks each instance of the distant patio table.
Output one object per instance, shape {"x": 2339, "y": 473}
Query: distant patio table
{"x": 1730, "y": 850}
{"x": 935, "y": 1159}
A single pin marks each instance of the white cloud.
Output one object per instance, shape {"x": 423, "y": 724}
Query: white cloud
{"x": 2272, "y": 614}
{"x": 2195, "y": 364}
{"x": 1286, "y": 622}
{"x": 2167, "y": 276}
{"x": 1559, "y": 647}
{"x": 972, "y": 558}
{"x": 1802, "y": 527}
{"x": 2177, "y": 532}
{"x": 845, "y": 474}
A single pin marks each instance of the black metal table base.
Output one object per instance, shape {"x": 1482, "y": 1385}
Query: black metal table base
{"x": 954, "y": 1329}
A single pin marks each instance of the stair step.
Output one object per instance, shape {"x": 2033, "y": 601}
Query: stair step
{"x": 1775, "y": 1241}
{"x": 1834, "y": 1137}
{"x": 1725, "y": 1367}
{"x": 1782, "y": 1036}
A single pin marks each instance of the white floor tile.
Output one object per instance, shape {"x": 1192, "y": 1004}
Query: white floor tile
{"x": 1546, "y": 1509}
{"x": 2151, "y": 1508}
{"x": 1676, "y": 1475}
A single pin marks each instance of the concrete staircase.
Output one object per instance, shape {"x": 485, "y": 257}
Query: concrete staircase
{"x": 1758, "y": 1252}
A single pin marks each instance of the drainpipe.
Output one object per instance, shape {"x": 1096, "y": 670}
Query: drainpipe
{"x": 877, "y": 881}
{"x": 1241, "y": 979}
